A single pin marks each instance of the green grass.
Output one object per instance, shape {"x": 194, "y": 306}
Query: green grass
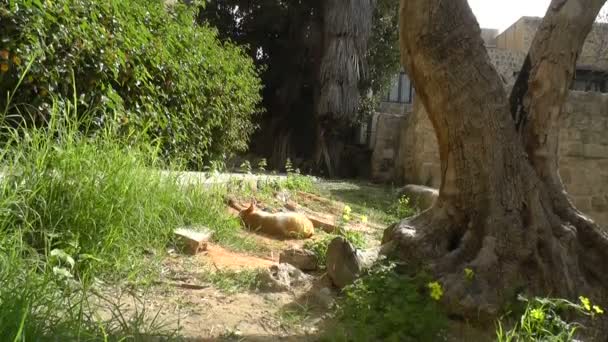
{"x": 77, "y": 209}
{"x": 295, "y": 313}
{"x": 231, "y": 282}
{"x": 378, "y": 203}
{"x": 544, "y": 319}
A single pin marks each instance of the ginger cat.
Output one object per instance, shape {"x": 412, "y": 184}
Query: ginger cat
{"x": 285, "y": 225}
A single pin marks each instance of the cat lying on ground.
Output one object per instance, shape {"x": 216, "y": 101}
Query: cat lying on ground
{"x": 289, "y": 225}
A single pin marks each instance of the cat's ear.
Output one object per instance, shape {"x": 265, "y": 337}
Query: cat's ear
{"x": 251, "y": 208}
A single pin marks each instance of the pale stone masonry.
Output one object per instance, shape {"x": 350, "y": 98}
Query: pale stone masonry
{"x": 409, "y": 136}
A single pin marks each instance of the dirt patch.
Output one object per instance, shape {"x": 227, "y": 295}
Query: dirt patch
{"x": 187, "y": 298}
{"x": 225, "y": 259}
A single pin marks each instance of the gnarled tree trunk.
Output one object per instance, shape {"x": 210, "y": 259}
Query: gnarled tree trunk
{"x": 501, "y": 210}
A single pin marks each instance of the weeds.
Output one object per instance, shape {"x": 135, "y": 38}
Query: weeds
{"x": 231, "y": 282}
{"x": 402, "y": 208}
{"x": 319, "y": 245}
{"x": 295, "y": 313}
{"x": 543, "y": 320}
{"x": 387, "y": 306}
{"x": 77, "y": 209}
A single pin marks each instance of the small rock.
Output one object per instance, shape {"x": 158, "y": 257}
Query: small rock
{"x": 326, "y": 224}
{"x": 300, "y": 258}
{"x": 291, "y": 206}
{"x": 282, "y": 277}
{"x": 420, "y": 196}
{"x": 345, "y": 263}
{"x": 324, "y": 298}
{"x": 193, "y": 241}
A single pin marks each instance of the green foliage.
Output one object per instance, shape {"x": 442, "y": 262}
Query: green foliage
{"x": 148, "y": 63}
{"x": 319, "y": 245}
{"x": 543, "y": 320}
{"x": 383, "y": 55}
{"x": 296, "y": 182}
{"x": 245, "y": 166}
{"x": 77, "y": 210}
{"x": 402, "y": 208}
{"x": 387, "y": 306}
{"x": 232, "y": 282}
{"x": 262, "y": 164}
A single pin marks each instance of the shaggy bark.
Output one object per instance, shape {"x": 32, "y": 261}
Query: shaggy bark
{"x": 347, "y": 26}
{"x": 496, "y": 212}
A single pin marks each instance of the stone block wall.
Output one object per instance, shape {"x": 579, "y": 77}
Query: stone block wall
{"x": 583, "y": 152}
{"x": 519, "y": 36}
{"x": 418, "y": 156}
{"x": 385, "y": 135}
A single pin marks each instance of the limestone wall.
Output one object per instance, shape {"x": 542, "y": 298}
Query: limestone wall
{"x": 519, "y": 36}
{"x": 583, "y": 152}
{"x": 385, "y": 137}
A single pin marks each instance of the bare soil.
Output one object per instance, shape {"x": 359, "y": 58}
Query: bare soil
{"x": 199, "y": 310}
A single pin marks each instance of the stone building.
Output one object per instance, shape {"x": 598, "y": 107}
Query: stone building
{"x": 405, "y": 148}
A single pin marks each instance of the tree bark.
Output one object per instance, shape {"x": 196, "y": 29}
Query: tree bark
{"x": 543, "y": 86}
{"x": 495, "y": 213}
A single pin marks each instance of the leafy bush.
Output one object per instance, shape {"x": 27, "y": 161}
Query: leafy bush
{"x": 543, "y": 320}
{"x": 387, "y": 306}
{"x": 149, "y": 63}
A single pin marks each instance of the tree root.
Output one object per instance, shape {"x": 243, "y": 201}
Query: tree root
{"x": 534, "y": 252}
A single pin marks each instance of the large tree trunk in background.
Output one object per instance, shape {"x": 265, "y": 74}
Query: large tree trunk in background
{"x": 347, "y": 27}
{"x": 495, "y": 213}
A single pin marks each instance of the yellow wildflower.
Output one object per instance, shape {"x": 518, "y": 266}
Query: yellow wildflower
{"x": 347, "y": 209}
{"x": 3, "y": 67}
{"x": 537, "y": 314}
{"x": 586, "y": 303}
{"x": 363, "y": 218}
{"x": 469, "y": 273}
{"x": 346, "y": 217}
{"x": 598, "y": 310}
{"x": 436, "y": 290}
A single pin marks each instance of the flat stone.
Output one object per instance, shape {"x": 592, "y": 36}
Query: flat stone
{"x": 420, "y": 196}
{"x": 282, "y": 278}
{"x": 303, "y": 259}
{"x": 193, "y": 241}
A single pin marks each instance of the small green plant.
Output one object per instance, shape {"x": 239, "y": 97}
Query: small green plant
{"x": 288, "y": 166}
{"x": 403, "y": 208}
{"x": 262, "y": 165}
{"x": 469, "y": 274}
{"x": 319, "y": 246}
{"x": 543, "y": 320}
{"x": 296, "y": 182}
{"x": 436, "y": 290}
{"x": 246, "y": 166}
{"x": 387, "y": 306}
